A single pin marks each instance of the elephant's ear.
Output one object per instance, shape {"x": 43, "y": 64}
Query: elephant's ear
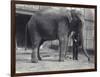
{"x": 80, "y": 15}
{"x": 68, "y": 14}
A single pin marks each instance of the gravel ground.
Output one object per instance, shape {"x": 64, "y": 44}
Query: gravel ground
{"x": 49, "y": 61}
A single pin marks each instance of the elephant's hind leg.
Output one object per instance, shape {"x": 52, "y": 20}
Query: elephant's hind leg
{"x": 39, "y": 57}
{"x": 35, "y": 50}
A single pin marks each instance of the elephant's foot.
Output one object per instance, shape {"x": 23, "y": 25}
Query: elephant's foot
{"x": 34, "y": 61}
{"x": 61, "y": 60}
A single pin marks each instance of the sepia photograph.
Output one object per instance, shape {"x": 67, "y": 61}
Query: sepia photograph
{"x": 49, "y": 38}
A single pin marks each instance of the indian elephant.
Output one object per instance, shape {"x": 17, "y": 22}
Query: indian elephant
{"x": 44, "y": 27}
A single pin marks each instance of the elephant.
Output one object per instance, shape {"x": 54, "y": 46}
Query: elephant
{"x": 43, "y": 27}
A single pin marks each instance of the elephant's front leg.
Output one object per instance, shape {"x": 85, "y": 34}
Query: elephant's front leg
{"x": 63, "y": 48}
{"x": 34, "y": 55}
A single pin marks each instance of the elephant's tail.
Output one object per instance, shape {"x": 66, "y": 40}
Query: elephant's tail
{"x": 26, "y": 32}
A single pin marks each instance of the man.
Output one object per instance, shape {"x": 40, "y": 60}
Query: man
{"x": 76, "y": 30}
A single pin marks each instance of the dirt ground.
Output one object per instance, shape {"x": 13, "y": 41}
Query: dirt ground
{"x": 49, "y": 61}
